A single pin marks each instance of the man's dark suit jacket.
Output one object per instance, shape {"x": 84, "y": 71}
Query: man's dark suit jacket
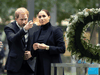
{"x": 16, "y": 46}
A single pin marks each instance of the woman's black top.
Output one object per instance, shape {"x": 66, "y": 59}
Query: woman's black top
{"x": 42, "y": 35}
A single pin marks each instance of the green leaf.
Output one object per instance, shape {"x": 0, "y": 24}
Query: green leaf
{"x": 81, "y": 20}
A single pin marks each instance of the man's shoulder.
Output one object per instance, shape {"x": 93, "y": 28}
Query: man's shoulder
{"x": 11, "y": 24}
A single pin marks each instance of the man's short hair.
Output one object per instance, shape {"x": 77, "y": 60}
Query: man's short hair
{"x": 21, "y": 10}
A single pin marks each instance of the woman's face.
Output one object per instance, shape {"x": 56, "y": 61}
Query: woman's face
{"x": 43, "y": 17}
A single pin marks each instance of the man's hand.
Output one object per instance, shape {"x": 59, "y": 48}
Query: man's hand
{"x": 28, "y": 25}
{"x": 27, "y": 55}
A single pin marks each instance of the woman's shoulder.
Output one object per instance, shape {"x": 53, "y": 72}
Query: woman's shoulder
{"x": 56, "y": 28}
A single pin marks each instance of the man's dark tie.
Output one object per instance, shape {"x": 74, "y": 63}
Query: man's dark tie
{"x": 24, "y": 42}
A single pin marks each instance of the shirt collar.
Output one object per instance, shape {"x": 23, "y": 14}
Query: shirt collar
{"x": 18, "y": 26}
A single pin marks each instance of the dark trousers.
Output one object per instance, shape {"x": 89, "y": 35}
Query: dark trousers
{"x": 25, "y": 70}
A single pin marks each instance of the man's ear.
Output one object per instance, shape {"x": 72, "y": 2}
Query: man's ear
{"x": 15, "y": 18}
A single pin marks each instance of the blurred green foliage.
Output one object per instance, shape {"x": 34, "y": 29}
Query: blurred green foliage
{"x": 7, "y": 8}
{"x": 65, "y": 8}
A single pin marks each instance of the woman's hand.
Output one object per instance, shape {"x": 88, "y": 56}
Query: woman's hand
{"x": 35, "y": 46}
{"x": 43, "y": 46}
{"x": 40, "y": 46}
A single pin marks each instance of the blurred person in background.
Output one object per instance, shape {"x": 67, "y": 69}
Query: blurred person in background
{"x": 19, "y": 36}
{"x": 1, "y": 44}
{"x": 48, "y": 44}
{"x": 2, "y": 55}
{"x": 4, "y": 59}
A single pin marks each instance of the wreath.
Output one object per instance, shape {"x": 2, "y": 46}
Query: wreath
{"x": 75, "y": 30}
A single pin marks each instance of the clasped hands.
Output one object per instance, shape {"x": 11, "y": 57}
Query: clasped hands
{"x": 39, "y": 46}
{"x": 36, "y": 46}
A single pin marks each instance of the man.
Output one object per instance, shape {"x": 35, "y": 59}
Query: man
{"x": 19, "y": 35}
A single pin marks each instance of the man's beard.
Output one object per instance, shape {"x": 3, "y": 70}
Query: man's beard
{"x": 22, "y": 25}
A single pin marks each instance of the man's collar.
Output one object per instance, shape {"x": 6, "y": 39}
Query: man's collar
{"x": 18, "y": 25}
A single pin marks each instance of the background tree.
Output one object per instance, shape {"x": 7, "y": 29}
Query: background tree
{"x": 7, "y": 8}
{"x": 65, "y": 8}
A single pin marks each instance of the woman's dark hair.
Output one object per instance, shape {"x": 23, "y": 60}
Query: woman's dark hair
{"x": 47, "y": 12}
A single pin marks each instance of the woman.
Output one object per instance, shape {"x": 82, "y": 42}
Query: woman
{"x": 48, "y": 44}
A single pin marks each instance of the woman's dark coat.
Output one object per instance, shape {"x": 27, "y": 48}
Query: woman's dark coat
{"x": 54, "y": 38}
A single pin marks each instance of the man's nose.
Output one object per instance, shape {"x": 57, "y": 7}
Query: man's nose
{"x": 24, "y": 21}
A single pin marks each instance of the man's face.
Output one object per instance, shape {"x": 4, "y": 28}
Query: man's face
{"x": 22, "y": 19}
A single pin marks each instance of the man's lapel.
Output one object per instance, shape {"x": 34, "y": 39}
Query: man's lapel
{"x": 16, "y": 29}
